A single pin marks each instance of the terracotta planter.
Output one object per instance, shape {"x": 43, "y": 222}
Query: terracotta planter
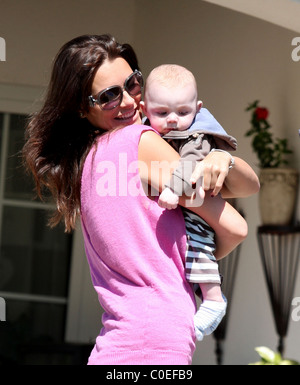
{"x": 278, "y": 195}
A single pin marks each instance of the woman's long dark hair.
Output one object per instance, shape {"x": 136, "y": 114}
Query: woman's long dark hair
{"x": 57, "y": 138}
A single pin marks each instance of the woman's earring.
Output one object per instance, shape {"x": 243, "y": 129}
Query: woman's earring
{"x": 82, "y": 115}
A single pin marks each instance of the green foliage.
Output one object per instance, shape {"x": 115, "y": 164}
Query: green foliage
{"x": 268, "y": 357}
{"x": 270, "y": 152}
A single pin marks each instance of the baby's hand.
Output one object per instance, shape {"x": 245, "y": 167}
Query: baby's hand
{"x": 168, "y": 199}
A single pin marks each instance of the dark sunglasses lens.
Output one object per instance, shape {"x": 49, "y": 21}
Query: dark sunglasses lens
{"x": 134, "y": 84}
{"x": 110, "y": 98}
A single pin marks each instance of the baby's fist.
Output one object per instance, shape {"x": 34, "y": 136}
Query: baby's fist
{"x": 168, "y": 199}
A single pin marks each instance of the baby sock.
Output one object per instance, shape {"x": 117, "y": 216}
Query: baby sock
{"x": 208, "y": 317}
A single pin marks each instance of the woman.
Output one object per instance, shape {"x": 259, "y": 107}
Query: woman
{"x": 87, "y": 145}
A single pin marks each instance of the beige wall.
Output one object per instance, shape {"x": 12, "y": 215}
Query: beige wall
{"x": 35, "y": 30}
{"x": 236, "y": 60}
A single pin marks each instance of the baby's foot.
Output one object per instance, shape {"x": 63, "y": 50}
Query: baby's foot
{"x": 208, "y": 317}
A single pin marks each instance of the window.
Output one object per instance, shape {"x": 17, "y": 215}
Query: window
{"x": 44, "y": 275}
{"x": 34, "y": 259}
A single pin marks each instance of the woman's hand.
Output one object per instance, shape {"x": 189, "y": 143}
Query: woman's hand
{"x": 213, "y": 170}
{"x": 237, "y": 182}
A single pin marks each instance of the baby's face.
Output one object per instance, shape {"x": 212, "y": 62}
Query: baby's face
{"x": 171, "y": 108}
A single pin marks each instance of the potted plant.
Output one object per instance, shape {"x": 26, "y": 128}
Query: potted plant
{"x": 279, "y": 183}
{"x": 268, "y": 357}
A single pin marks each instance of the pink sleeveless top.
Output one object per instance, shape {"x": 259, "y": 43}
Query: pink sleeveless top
{"x": 135, "y": 251}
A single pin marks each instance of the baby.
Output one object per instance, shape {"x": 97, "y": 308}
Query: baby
{"x": 171, "y": 106}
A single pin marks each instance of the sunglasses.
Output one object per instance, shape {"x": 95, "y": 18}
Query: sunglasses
{"x": 112, "y": 97}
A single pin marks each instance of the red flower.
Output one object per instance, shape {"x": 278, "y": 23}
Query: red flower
{"x": 261, "y": 113}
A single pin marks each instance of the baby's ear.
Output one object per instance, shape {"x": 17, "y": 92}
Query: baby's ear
{"x": 143, "y": 108}
{"x": 199, "y": 105}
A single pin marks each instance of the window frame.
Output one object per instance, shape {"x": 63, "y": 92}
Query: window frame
{"x": 83, "y": 317}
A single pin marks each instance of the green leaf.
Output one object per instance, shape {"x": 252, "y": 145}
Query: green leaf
{"x": 277, "y": 358}
{"x": 288, "y": 362}
{"x": 267, "y": 354}
{"x": 268, "y": 357}
{"x": 252, "y": 105}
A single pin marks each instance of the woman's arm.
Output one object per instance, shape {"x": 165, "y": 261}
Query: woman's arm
{"x": 238, "y": 182}
{"x": 159, "y": 160}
